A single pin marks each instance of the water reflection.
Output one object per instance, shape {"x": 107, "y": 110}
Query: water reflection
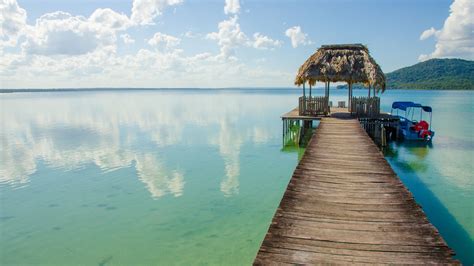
{"x": 410, "y": 155}
{"x": 71, "y": 131}
{"x": 229, "y": 142}
{"x": 417, "y": 157}
{"x": 418, "y": 168}
{"x": 157, "y": 179}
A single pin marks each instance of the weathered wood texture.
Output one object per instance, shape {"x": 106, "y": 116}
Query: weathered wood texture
{"x": 344, "y": 204}
{"x": 365, "y": 106}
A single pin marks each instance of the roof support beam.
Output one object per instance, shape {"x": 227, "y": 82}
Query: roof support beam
{"x": 349, "y": 102}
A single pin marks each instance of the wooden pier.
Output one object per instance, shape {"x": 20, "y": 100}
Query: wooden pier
{"x": 344, "y": 204}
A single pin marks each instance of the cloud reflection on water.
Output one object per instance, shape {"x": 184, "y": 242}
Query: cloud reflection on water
{"x": 115, "y": 130}
{"x": 229, "y": 142}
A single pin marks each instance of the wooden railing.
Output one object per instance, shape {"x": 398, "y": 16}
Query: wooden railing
{"x": 381, "y": 129}
{"x": 313, "y": 106}
{"x": 365, "y": 106}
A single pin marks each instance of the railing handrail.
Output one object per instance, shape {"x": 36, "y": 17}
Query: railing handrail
{"x": 314, "y": 105}
{"x": 365, "y": 106}
{"x": 359, "y": 106}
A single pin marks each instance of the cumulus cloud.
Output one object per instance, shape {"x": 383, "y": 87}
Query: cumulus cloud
{"x": 231, "y": 7}
{"x": 297, "y": 36}
{"x": 456, "y": 37}
{"x": 127, "y": 39}
{"x": 60, "y": 33}
{"x": 63, "y": 50}
{"x": 110, "y": 19}
{"x": 164, "y": 40}
{"x": 228, "y": 37}
{"x": 428, "y": 33}
{"x": 264, "y": 42}
{"x": 12, "y": 22}
{"x": 144, "y": 11}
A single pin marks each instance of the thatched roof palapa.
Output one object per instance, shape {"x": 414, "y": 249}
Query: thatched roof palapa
{"x": 350, "y": 63}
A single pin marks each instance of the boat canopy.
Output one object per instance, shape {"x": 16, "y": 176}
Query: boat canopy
{"x": 404, "y": 105}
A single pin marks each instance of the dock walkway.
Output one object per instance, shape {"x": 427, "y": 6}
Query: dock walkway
{"x": 344, "y": 204}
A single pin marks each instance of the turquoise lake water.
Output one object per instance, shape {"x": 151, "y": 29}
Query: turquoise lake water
{"x": 189, "y": 176}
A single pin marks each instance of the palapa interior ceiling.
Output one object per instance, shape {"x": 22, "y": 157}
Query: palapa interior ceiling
{"x": 350, "y": 63}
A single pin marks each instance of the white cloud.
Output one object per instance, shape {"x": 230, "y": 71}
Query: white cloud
{"x": 264, "y": 42}
{"x": 228, "y": 37}
{"x": 144, "y": 11}
{"x": 12, "y": 22}
{"x": 110, "y": 19}
{"x": 127, "y": 39}
{"x": 456, "y": 38}
{"x": 231, "y": 7}
{"x": 145, "y": 68}
{"x": 297, "y": 36}
{"x": 428, "y": 33}
{"x": 164, "y": 40}
{"x": 191, "y": 35}
{"x": 60, "y": 33}
{"x": 66, "y": 50}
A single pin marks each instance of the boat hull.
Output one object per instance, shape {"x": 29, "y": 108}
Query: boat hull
{"x": 408, "y": 134}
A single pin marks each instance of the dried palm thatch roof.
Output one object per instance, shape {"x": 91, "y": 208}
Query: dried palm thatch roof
{"x": 351, "y": 63}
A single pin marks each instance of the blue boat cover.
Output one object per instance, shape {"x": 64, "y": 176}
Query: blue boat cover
{"x": 404, "y": 105}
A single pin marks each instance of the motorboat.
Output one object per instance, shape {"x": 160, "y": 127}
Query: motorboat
{"x": 410, "y": 128}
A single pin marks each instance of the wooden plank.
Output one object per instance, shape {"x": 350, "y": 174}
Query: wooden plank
{"x": 344, "y": 204}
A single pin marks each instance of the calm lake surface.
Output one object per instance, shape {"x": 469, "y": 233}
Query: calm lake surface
{"x": 189, "y": 176}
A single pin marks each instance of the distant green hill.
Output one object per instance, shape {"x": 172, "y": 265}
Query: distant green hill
{"x": 435, "y": 74}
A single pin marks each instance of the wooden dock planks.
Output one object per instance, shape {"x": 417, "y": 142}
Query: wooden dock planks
{"x": 344, "y": 204}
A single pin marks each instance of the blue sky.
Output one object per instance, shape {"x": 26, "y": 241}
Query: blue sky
{"x": 214, "y": 43}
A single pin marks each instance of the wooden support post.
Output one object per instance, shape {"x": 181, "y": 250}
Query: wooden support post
{"x": 383, "y": 137}
{"x": 328, "y": 87}
{"x": 310, "y": 90}
{"x": 329, "y": 108}
{"x": 283, "y": 132}
{"x": 349, "y": 102}
{"x": 369, "y": 91}
{"x": 325, "y": 89}
{"x": 304, "y": 100}
{"x": 351, "y": 96}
